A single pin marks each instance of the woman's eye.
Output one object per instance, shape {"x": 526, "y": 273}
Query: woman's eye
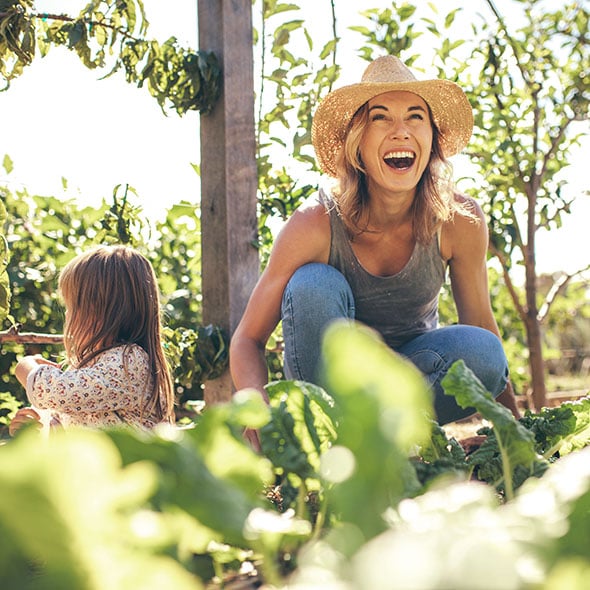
{"x": 417, "y": 116}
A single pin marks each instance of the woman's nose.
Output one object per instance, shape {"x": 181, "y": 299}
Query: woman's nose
{"x": 398, "y": 129}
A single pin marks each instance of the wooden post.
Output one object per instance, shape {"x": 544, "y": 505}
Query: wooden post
{"x": 230, "y": 263}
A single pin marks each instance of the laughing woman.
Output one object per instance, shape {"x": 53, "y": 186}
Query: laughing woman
{"x": 377, "y": 247}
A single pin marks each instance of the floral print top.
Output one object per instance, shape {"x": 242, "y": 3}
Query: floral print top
{"x": 109, "y": 391}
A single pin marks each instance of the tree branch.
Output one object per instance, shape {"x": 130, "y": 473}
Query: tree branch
{"x": 508, "y": 281}
{"x": 13, "y": 335}
{"x": 90, "y": 23}
{"x": 554, "y": 145}
{"x": 558, "y": 286}
{"x": 511, "y": 42}
{"x": 71, "y": 19}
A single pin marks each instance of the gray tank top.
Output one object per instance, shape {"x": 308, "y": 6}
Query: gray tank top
{"x": 401, "y": 306}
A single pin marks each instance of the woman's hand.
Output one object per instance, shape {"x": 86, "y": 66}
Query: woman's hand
{"x": 251, "y": 436}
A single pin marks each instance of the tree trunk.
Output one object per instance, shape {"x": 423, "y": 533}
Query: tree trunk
{"x": 532, "y": 322}
{"x": 536, "y": 363}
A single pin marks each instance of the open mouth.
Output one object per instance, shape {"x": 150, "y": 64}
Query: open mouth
{"x": 400, "y": 160}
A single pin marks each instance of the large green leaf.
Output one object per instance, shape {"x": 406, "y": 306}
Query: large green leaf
{"x": 302, "y": 426}
{"x": 385, "y": 407}
{"x": 186, "y": 482}
{"x": 218, "y": 436}
{"x": 561, "y": 429}
{"x": 516, "y": 444}
{"x": 74, "y": 518}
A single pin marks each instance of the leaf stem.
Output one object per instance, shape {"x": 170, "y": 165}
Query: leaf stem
{"x": 506, "y": 469}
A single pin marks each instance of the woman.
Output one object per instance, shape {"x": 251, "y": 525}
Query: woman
{"x": 377, "y": 248}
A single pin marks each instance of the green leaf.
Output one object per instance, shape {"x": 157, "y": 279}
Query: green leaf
{"x": 76, "y": 33}
{"x": 7, "y": 164}
{"x": 8, "y": 407}
{"x": 301, "y": 428}
{"x": 185, "y": 481}
{"x": 516, "y": 443}
{"x": 360, "y": 366}
{"x": 218, "y": 436}
{"x": 88, "y": 512}
{"x": 450, "y": 17}
{"x": 562, "y": 429}
{"x": 385, "y": 407}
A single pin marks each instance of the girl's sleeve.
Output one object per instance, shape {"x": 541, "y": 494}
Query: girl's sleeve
{"x": 108, "y": 385}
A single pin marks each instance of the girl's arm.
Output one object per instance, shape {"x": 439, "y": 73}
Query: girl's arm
{"x": 30, "y": 363}
{"x": 112, "y": 382}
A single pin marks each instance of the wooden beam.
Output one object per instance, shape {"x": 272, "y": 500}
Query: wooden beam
{"x": 230, "y": 262}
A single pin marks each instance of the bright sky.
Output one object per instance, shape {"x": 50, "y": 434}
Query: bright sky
{"x": 60, "y": 120}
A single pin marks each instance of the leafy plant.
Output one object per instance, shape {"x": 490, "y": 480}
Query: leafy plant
{"x": 109, "y": 30}
{"x": 561, "y": 430}
{"x": 515, "y": 444}
{"x": 440, "y": 457}
{"x": 192, "y": 507}
{"x": 196, "y": 356}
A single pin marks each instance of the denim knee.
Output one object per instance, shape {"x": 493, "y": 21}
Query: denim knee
{"x": 316, "y": 295}
{"x": 313, "y": 282}
{"x": 488, "y": 362}
{"x": 434, "y": 353}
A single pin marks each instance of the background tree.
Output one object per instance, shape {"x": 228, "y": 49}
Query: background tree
{"x": 110, "y": 34}
{"x": 532, "y": 97}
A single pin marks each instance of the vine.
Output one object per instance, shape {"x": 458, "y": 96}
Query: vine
{"x": 111, "y": 30}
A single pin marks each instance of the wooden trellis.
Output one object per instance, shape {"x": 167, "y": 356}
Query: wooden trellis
{"x": 230, "y": 263}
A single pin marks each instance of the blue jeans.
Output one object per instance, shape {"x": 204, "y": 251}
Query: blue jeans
{"x": 317, "y": 294}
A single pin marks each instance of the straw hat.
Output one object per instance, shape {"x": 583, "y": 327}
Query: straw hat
{"x": 448, "y": 103}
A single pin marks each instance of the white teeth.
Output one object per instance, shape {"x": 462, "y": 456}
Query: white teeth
{"x": 400, "y": 154}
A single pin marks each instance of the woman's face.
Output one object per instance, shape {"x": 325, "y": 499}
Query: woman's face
{"x": 397, "y": 141}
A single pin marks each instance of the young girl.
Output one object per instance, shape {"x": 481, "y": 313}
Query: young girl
{"x": 117, "y": 371}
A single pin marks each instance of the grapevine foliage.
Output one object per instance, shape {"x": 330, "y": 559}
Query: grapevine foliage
{"x": 110, "y": 35}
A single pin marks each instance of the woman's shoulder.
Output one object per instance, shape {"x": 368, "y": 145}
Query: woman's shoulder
{"x": 466, "y": 228}
{"x": 320, "y": 203}
{"x": 305, "y": 237}
{"x": 310, "y": 217}
{"x": 466, "y": 206}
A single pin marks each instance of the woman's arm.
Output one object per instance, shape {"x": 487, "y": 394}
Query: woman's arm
{"x": 465, "y": 245}
{"x": 304, "y": 238}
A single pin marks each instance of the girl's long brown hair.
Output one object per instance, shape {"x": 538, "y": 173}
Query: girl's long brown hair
{"x": 435, "y": 200}
{"x": 112, "y": 298}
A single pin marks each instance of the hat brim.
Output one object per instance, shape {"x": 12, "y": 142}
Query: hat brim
{"x": 450, "y": 108}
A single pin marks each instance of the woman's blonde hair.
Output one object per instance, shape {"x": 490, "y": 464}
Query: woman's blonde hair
{"x": 435, "y": 200}
{"x": 112, "y": 299}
